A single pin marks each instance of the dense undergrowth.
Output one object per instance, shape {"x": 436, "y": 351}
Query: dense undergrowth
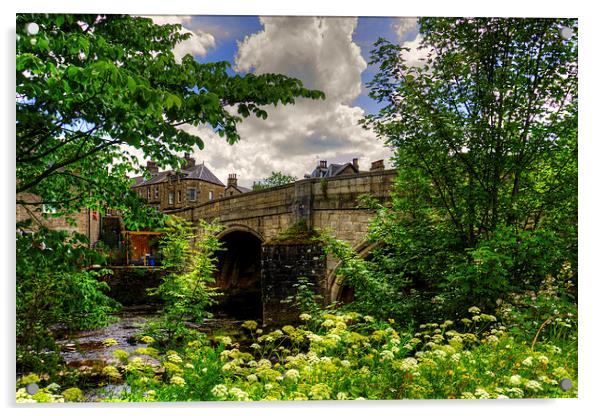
{"x": 525, "y": 350}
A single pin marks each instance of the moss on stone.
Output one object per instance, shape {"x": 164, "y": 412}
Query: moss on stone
{"x": 297, "y": 234}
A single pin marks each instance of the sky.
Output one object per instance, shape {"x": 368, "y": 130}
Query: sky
{"x": 326, "y": 53}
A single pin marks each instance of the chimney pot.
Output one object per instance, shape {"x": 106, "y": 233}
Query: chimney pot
{"x": 323, "y": 164}
{"x": 190, "y": 162}
{"x": 355, "y": 163}
{"x": 378, "y": 165}
{"x": 152, "y": 167}
{"x": 232, "y": 181}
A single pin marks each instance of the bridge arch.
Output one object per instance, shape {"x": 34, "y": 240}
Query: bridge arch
{"x": 238, "y": 273}
{"x": 338, "y": 291}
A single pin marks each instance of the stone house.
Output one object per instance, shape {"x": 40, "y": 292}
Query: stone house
{"x": 324, "y": 170}
{"x": 85, "y": 221}
{"x": 167, "y": 190}
{"x": 233, "y": 188}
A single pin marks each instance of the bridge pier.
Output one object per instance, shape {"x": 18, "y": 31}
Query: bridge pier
{"x": 281, "y": 267}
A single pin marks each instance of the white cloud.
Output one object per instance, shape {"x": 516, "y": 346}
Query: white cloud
{"x": 321, "y": 53}
{"x": 198, "y": 44}
{"x": 404, "y": 26}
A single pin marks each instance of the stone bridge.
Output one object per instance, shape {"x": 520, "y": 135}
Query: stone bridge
{"x": 257, "y": 274}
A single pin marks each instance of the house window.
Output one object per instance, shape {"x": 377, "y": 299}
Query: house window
{"x": 210, "y": 195}
{"x": 156, "y": 192}
{"x": 191, "y": 194}
{"x": 148, "y": 193}
{"x": 170, "y": 198}
{"x": 179, "y": 196}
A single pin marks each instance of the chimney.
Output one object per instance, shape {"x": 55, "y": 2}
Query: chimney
{"x": 378, "y": 165}
{"x": 232, "y": 181}
{"x": 355, "y": 163}
{"x": 190, "y": 162}
{"x": 152, "y": 167}
{"x": 323, "y": 164}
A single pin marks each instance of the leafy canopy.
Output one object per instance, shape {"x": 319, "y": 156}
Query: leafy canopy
{"x": 275, "y": 179}
{"x": 89, "y": 88}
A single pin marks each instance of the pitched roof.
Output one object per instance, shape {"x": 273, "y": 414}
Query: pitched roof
{"x": 198, "y": 172}
{"x": 332, "y": 170}
{"x": 241, "y": 189}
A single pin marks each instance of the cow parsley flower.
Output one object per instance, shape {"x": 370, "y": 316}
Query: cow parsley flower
{"x": 220, "y": 391}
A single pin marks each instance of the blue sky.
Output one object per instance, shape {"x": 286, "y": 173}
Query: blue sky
{"x": 330, "y": 54}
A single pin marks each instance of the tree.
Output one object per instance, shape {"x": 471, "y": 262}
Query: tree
{"x": 275, "y": 179}
{"x": 92, "y": 87}
{"x": 485, "y": 139}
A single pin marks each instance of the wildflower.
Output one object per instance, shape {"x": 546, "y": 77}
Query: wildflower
{"x": 292, "y": 374}
{"x": 224, "y": 340}
{"x": 368, "y": 318}
{"x": 220, "y": 391}
{"x": 174, "y": 357}
{"x": 189, "y": 365}
{"x": 468, "y": 395}
{"x": 474, "y": 310}
{"x": 543, "y": 359}
{"x": 109, "y": 342}
{"x": 319, "y": 392}
{"x": 533, "y": 385}
{"x": 255, "y": 346}
{"x": 328, "y": 323}
{"x": 239, "y": 395}
{"x": 515, "y": 380}
{"x": 341, "y": 395}
{"x": 73, "y": 395}
{"x": 298, "y": 396}
{"x": 481, "y": 393}
{"x": 250, "y": 325}
{"x": 345, "y": 363}
{"x": 528, "y": 361}
{"x": 455, "y": 357}
{"x": 492, "y": 339}
{"x": 252, "y": 378}
{"x": 147, "y": 339}
{"x": 305, "y": 317}
{"x": 502, "y": 396}
{"x": 259, "y": 331}
{"x": 387, "y": 355}
{"x": 268, "y": 386}
{"x": 359, "y": 398}
{"x": 177, "y": 380}
{"x": 111, "y": 372}
{"x": 515, "y": 392}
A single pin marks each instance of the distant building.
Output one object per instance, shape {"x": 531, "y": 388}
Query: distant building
{"x": 233, "y": 188}
{"x": 324, "y": 170}
{"x": 167, "y": 190}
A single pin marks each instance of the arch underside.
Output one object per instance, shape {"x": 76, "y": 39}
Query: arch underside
{"x": 238, "y": 274}
{"x": 338, "y": 290}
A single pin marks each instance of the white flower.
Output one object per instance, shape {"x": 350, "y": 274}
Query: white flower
{"x": 292, "y": 374}
{"x": 481, "y": 393}
{"x": 252, "y": 378}
{"x": 177, "y": 380}
{"x": 345, "y": 363}
{"x": 543, "y": 359}
{"x": 239, "y": 394}
{"x": 528, "y": 361}
{"x": 387, "y": 355}
{"x": 341, "y": 395}
{"x": 474, "y": 310}
{"x": 305, "y": 317}
{"x": 515, "y": 380}
{"x": 533, "y": 385}
{"x": 220, "y": 391}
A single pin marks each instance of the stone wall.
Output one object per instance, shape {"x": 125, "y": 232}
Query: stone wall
{"x": 85, "y": 221}
{"x": 281, "y": 267}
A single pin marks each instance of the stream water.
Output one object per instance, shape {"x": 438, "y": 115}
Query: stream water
{"x": 87, "y": 352}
